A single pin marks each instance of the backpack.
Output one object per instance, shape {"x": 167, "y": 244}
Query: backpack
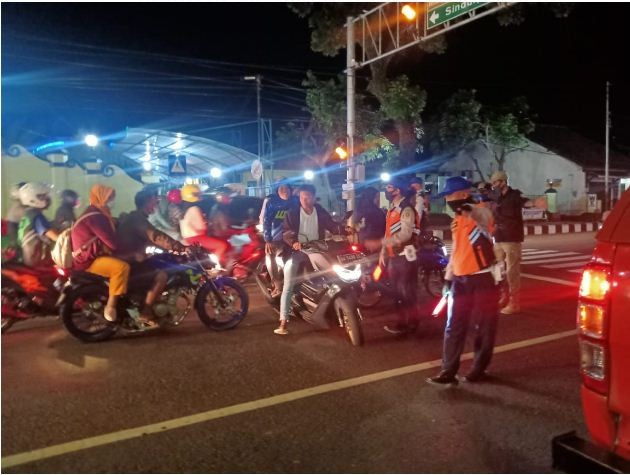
{"x": 62, "y": 253}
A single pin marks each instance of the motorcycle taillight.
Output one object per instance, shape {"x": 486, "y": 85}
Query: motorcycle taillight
{"x": 60, "y": 271}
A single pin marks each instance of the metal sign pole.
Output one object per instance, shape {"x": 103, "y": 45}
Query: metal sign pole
{"x": 350, "y": 76}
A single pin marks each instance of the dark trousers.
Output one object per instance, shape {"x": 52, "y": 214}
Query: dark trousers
{"x": 473, "y": 299}
{"x": 404, "y": 278}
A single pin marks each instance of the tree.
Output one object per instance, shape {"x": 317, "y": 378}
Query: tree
{"x": 463, "y": 122}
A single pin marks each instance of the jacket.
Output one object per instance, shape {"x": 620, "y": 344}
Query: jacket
{"x": 509, "y": 217}
{"x": 97, "y": 225}
{"x": 325, "y": 222}
{"x": 400, "y": 231}
{"x": 374, "y": 222}
{"x": 472, "y": 245}
{"x": 273, "y": 218}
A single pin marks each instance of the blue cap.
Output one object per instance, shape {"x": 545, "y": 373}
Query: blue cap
{"x": 456, "y": 183}
{"x": 399, "y": 182}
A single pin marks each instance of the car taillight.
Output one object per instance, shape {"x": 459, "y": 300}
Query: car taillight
{"x": 592, "y": 323}
{"x": 60, "y": 271}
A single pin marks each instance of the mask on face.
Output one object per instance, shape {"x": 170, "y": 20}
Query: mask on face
{"x": 494, "y": 193}
{"x": 456, "y": 205}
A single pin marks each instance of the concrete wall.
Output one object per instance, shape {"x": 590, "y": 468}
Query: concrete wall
{"x": 528, "y": 171}
{"x": 26, "y": 167}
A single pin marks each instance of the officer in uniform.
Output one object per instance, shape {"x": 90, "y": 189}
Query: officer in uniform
{"x": 470, "y": 285}
{"x": 398, "y": 253}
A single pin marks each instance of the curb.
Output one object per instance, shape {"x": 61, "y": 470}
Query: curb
{"x": 445, "y": 233}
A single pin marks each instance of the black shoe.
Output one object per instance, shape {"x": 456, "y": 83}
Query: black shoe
{"x": 475, "y": 377}
{"x": 443, "y": 380}
{"x": 395, "y": 330}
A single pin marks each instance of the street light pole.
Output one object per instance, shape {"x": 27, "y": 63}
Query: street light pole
{"x": 258, "y": 79}
{"x": 350, "y": 79}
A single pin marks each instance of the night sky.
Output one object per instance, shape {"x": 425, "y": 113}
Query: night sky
{"x": 65, "y": 69}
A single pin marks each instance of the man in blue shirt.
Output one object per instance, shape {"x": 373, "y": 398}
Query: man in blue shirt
{"x": 275, "y": 210}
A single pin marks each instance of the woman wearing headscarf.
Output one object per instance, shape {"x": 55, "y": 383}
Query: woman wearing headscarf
{"x": 94, "y": 236}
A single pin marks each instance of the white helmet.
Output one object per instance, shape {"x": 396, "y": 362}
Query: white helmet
{"x": 15, "y": 190}
{"x": 35, "y": 195}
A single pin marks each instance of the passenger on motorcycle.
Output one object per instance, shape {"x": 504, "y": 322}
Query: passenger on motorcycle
{"x": 95, "y": 236}
{"x": 307, "y": 222}
{"x": 168, "y": 213}
{"x": 134, "y": 234}
{"x": 194, "y": 225}
{"x": 35, "y": 233}
{"x": 64, "y": 216}
{"x": 274, "y": 213}
{"x": 398, "y": 253}
{"x": 14, "y": 216}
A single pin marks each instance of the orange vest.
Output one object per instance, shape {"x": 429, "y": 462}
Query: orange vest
{"x": 393, "y": 226}
{"x": 471, "y": 251}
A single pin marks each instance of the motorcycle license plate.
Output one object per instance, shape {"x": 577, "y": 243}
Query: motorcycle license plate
{"x": 347, "y": 258}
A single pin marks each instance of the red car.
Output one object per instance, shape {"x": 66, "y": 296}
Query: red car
{"x": 603, "y": 321}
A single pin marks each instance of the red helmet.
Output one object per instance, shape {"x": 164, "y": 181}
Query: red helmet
{"x": 174, "y": 196}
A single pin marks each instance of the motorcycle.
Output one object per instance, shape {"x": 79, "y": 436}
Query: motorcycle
{"x": 249, "y": 251}
{"x": 221, "y": 302}
{"x": 327, "y": 293}
{"x": 29, "y": 292}
{"x": 432, "y": 260}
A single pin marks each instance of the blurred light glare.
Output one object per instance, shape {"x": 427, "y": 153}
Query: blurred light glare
{"x": 309, "y": 175}
{"x": 409, "y": 12}
{"x": 385, "y": 176}
{"x": 215, "y": 172}
{"x": 91, "y": 140}
{"x": 341, "y": 153}
{"x": 147, "y": 166}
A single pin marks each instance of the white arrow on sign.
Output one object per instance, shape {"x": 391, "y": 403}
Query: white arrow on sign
{"x": 434, "y": 17}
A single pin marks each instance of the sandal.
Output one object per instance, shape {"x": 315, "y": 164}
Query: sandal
{"x": 282, "y": 329}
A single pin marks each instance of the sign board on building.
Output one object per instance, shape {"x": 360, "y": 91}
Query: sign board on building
{"x": 176, "y": 165}
{"x": 438, "y": 13}
{"x": 591, "y": 203}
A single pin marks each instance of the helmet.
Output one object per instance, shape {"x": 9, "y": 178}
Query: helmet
{"x": 15, "y": 190}
{"x": 174, "y": 196}
{"x": 399, "y": 182}
{"x": 454, "y": 184}
{"x": 35, "y": 195}
{"x": 190, "y": 193}
{"x": 69, "y": 196}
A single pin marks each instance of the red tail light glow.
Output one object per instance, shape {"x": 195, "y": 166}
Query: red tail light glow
{"x": 595, "y": 283}
{"x": 354, "y": 247}
{"x": 60, "y": 271}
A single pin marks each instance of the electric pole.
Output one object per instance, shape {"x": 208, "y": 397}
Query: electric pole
{"x": 606, "y": 171}
{"x": 350, "y": 79}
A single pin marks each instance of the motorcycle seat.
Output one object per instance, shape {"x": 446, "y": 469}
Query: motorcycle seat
{"x": 83, "y": 276}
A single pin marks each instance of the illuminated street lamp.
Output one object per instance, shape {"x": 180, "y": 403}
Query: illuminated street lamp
{"x": 147, "y": 166}
{"x": 341, "y": 153}
{"x": 385, "y": 177}
{"x": 215, "y": 172}
{"x": 408, "y": 12}
{"x": 91, "y": 140}
{"x": 309, "y": 175}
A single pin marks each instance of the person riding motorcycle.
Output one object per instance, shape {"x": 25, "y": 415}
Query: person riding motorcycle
{"x": 275, "y": 211}
{"x": 194, "y": 226}
{"x": 64, "y": 216}
{"x": 35, "y": 233}
{"x": 398, "y": 253}
{"x": 134, "y": 234}
{"x": 94, "y": 237}
{"x": 307, "y": 222}
{"x": 168, "y": 213}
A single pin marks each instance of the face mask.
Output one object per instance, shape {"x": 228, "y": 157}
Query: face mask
{"x": 456, "y": 205}
{"x": 111, "y": 204}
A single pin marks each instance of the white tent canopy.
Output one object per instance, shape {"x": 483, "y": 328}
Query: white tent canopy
{"x": 155, "y": 147}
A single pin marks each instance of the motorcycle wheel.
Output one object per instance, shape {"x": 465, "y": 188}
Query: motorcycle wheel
{"x": 351, "y": 322}
{"x": 7, "y": 322}
{"x": 9, "y": 292}
{"x": 264, "y": 283}
{"x": 433, "y": 282}
{"x": 370, "y": 298}
{"x": 213, "y": 314}
{"x": 82, "y": 314}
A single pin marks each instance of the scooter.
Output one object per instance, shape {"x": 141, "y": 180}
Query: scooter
{"x": 327, "y": 294}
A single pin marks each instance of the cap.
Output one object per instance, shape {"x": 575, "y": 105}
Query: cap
{"x": 498, "y": 175}
{"x": 456, "y": 183}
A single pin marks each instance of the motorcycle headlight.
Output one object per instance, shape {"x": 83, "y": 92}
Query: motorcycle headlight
{"x": 348, "y": 275}
{"x": 153, "y": 250}
{"x": 444, "y": 250}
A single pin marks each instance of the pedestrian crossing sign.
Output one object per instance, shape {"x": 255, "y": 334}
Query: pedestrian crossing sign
{"x": 177, "y": 165}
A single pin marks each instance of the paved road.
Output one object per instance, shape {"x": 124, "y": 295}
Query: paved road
{"x": 190, "y": 400}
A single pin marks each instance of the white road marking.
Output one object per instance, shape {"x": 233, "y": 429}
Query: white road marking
{"x": 113, "y": 437}
{"x": 568, "y": 283}
{"x": 551, "y": 260}
{"x": 565, "y": 265}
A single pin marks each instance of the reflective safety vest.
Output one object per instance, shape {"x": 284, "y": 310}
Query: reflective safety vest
{"x": 393, "y": 226}
{"x": 473, "y": 250}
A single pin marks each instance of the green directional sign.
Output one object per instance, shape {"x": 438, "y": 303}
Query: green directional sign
{"x": 443, "y": 12}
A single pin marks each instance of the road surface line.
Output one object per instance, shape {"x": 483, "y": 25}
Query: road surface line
{"x": 566, "y": 265}
{"x": 113, "y": 437}
{"x": 551, "y": 260}
{"x": 551, "y": 279}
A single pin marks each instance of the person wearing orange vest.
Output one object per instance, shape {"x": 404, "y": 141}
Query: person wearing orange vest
{"x": 398, "y": 253}
{"x": 470, "y": 285}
